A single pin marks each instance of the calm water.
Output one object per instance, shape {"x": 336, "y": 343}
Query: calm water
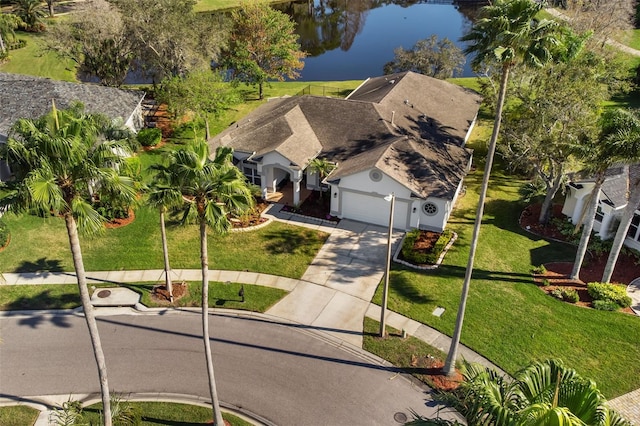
{"x": 353, "y": 39}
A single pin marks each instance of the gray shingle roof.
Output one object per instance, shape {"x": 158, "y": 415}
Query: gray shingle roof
{"x": 30, "y": 97}
{"x": 420, "y": 149}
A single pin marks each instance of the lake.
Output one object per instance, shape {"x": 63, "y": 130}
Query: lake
{"x": 353, "y": 39}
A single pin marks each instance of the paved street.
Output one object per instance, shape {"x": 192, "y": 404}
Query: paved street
{"x": 287, "y": 374}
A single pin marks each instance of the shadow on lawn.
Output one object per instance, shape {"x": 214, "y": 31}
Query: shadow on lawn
{"x": 43, "y": 266}
{"x": 452, "y": 271}
{"x": 408, "y": 290}
{"x": 287, "y": 241}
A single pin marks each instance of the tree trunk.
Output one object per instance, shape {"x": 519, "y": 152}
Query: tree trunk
{"x": 165, "y": 252}
{"x": 204, "y": 260}
{"x": 2, "y": 46}
{"x": 449, "y": 367}
{"x": 207, "y": 133}
{"x": 89, "y": 315}
{"x": 545, "y": 210}
{"x": 260, "y": 93}
{"x": 621, "y": 233}
{"x": 50, "y": 5}
{"x": 587, "y": 228}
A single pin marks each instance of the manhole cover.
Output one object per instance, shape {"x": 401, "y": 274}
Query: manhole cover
{"x": 400, "y": 417}
{"x": 104, "y": 293}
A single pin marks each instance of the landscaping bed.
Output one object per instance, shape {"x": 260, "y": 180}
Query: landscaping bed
{"x": 555, "y": 276}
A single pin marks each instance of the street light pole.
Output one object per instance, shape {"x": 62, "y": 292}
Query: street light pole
{"x": 392, "y": 198}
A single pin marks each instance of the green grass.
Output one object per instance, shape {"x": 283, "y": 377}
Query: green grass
{"x": 40, "y": 244}
{"x": 18, "y": 415}
{"x": 165, "y": 413}
{"x": 34, "y": 60}
{"x": 65, "y": 296}
{"x": 508, "y": 319}
{"x": 631, "y": 38}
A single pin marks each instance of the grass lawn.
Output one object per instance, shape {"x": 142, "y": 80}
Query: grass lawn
{"x": 34, "y": 60}
{"x": 65, "y": 296}
{"x": 40, "y": 244}
{"x": 508, "y": 319}
{"x": 18, "y": 415}
{"x": 164, "y": 413}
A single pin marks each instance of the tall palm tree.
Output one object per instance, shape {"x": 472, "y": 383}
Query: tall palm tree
{"x": 633, "y": 203}
{"x": 164, "y": 197}
{"x": 211, "y": 189}
{"x": 61, "y": 164}
{"x": 617, "y": 142}
{"x": 31, "y": 12}
{"x": 543, "y": 393}
{"x": 507, "y": 33}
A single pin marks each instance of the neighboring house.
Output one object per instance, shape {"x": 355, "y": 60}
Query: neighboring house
{"x": 403, "y": 134}
{"x": 30, "y": 97}
{"x": 612, "y": 200}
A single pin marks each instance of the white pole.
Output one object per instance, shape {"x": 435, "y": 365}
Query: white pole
{"x": 385, "y": 291}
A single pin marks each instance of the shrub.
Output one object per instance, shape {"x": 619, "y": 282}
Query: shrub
{"x": 546, "y": 282}
{"x": 566, "y": 228}
{"x": 422, "y": 257}
{"x": 609, "y": 292}
{"x": 539, "y": 270}
{"x": 18, "y": 44}
{"x": 598, "y": 246}
{"x": 570, "y": 295}
{"x": 4, "y": 233}
{"x": 150, "y": 136}
{"x": 605, "y": 305}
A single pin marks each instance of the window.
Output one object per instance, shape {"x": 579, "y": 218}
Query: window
{"x": 599, "y": 214}
{"x": 633, "y": 228}
{"x": 430, "y": 209}
{"x": 375, "y": 175}
{"x": 252, "y": 175}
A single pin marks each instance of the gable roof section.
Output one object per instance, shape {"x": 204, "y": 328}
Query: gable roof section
{"x": 428, "y": 169}
{"x": 425, "y": 107}
{"x": 30, "y": 97}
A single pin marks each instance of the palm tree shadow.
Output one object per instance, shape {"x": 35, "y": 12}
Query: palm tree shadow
{"x": 408, "y": 291}
{"x": 288, "y": 241}
{"x": 42, "y": 266}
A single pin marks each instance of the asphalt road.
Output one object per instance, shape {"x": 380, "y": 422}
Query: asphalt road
{"x": 290, "y": 375}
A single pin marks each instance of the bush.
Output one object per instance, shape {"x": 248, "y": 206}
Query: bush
{"x": 4, "y": 234}
{"x": 424, "y": 257}
{"x": 609, "y": 292}
{"x": 539, "y": 270}
{"x": 566, "y": 228}
{"x": 150, "y": 137}
{"x": 18, "y": 44}
{"x": 568, "y": 295}
{"x": 605, "y": 305}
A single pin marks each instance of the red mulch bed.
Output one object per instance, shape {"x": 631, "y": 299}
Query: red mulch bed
{"x": 315, "y": 206}
{"x": 119, "y": 223}
{"x": 558, "y": 273}
{"x": 161, "y": 295}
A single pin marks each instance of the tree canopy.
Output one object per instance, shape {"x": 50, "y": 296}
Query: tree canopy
{"x": 435, "y": 58}
{"x": 262, "y": 46}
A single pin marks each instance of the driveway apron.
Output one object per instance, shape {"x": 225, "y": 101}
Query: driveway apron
{"x": 340, "y": 282}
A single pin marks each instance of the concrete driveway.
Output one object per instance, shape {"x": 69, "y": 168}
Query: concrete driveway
{"x": 336, "y": 289}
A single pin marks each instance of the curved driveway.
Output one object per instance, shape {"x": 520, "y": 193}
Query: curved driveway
{"x": 286, "y": 373}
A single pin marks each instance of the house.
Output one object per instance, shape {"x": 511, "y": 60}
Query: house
{"x": 30, "y": 97}
{"x": 612, "y": 201}
{"x": 402, "y": 134}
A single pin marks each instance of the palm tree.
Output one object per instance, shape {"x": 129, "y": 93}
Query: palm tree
{"x": 163, "y": 197}
{"x": 30, "y": 11}
{"x": 323, "y": 168}
{"x": 8, "y": 24}
{"x": 633, "y": 203}
{"x": 617, "y": 142}
{"x": 61, "y": 164}
{"x": 543, "y": 393}
{"x": 508, "y": 33}
{"x": 210, "y": 189}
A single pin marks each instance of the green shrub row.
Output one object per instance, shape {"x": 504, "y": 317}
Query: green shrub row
{"x": 150, "y": 136}
{"x": 613, "y": 293}
{"x": 420, "y": 257}
{"x": 18, "y": 44}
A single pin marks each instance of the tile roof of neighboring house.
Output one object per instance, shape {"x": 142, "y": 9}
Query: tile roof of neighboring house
{"x": 423, "y": 141}
{"x": 615, "y": 189}
{"x": 30, "y": 97}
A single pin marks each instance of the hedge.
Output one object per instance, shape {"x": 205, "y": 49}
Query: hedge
{"x": 609, "y": 292}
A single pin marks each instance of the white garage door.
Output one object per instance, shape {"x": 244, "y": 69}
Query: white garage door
{"x": 371, "y": 209}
